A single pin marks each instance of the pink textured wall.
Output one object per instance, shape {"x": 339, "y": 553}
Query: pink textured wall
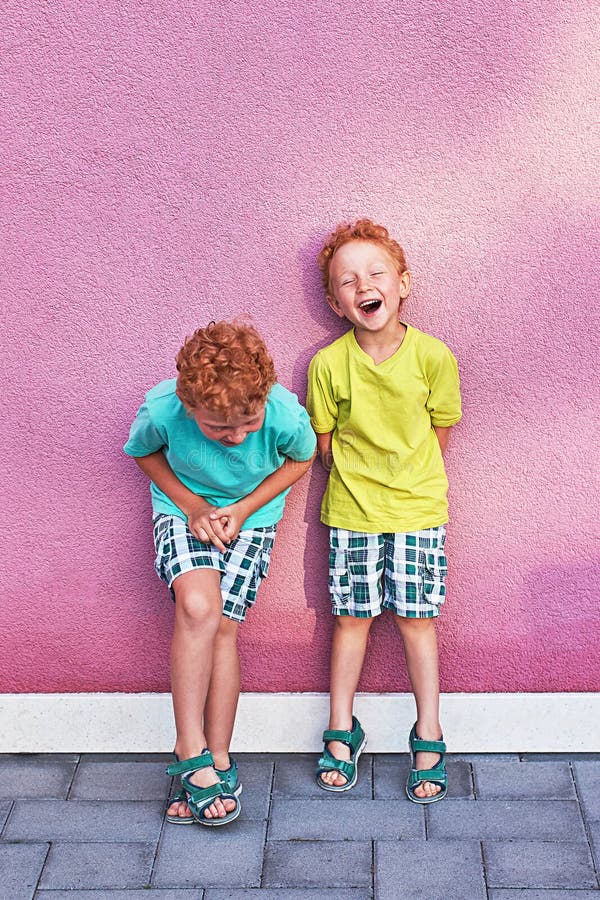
{"x": 165, "y": 164}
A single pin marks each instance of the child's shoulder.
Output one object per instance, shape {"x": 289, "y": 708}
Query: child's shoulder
{"x": 428, "y": 344}
{"x": 332, "y": 351}
{"x": 280, "y": 401}
{"x": 162, "y": 392}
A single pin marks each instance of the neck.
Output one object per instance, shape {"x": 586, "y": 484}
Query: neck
{"x": 380, "y": 345}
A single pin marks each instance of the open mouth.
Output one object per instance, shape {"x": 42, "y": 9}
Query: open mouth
{"x": 368, "y": 307}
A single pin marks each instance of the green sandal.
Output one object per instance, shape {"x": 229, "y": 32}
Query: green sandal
{"x": 436, "y": 775}
{"x": 357, "y": 741}
{"x": 197, "y": 798}
{"x": 228, "y": 776}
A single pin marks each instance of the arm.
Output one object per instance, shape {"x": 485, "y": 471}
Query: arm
{"x": 443, "y": 436}
{"x": 196, "y": 508}
{"x": 237, "y": 513}
{"x": 324, "y": 450}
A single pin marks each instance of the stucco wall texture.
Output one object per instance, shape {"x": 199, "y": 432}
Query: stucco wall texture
{"x": 165, "y": 164}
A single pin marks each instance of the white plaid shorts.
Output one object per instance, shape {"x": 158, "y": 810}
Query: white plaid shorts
{"x": 243, "y": 565}
{"x": 404, "y": 572}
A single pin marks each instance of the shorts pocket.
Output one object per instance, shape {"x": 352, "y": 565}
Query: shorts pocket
{"x": 435, "y": 570}
{"x": 260, "y": 570}
{"x": 339, "y": 578}
{"x": 161, "y": 533}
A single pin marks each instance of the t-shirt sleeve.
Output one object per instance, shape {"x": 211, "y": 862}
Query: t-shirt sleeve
{"x": 144, "y": 437}
{"x": 300, "y": 444}
{"x": 320, "y": 401}
{"x": 443, "y": 403}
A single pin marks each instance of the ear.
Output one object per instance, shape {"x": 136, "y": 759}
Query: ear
{"x": 332, "y": 301}
{"x": 405, "y": 284}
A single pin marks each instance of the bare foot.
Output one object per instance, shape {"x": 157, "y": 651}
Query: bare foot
{"x": 339, "y": 751}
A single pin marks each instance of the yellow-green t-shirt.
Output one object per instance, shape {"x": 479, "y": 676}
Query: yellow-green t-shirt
{"x": 388, "y": 473}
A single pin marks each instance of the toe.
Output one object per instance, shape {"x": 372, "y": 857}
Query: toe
{"x": 220, "y": 809}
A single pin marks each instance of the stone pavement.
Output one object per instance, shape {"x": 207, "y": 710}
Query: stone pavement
{"x": 512, "y": 828}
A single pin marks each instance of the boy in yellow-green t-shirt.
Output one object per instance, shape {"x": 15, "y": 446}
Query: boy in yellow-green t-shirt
{"x": 382, "y": 400}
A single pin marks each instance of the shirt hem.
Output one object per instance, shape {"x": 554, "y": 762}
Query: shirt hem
{"x": 383, "y": 527}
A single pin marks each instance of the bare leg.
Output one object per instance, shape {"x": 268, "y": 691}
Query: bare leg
{"x": 198, "y": 613}
{"x": 223, "y": 692}
{"x": 348, "y": 647}
{"x": 421, "y": 652}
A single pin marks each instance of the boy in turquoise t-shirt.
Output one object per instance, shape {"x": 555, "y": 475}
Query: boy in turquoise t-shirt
{"x": 382, "y": 400}
{"x": 222, "y": 444}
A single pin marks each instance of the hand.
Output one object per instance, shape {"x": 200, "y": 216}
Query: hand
{"x": 208, "y": 527}
{"x": 232, "y": 516}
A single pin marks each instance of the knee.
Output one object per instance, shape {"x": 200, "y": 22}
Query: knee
{"x": 195, "y": 610}
{"x": 227, "y": 630}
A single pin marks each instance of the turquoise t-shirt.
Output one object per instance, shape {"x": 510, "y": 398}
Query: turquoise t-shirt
{"x": 220, "y": 474}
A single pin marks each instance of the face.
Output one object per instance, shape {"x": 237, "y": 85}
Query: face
{"x": 366, "y": 287}
{"x": 231, "y": 431}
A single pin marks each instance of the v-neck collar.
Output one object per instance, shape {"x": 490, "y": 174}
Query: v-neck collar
{"x": 366, "y": 357}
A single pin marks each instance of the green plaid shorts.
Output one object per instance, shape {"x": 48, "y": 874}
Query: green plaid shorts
{"x": 243, "y": 566}
{"x": 404, "y": 572}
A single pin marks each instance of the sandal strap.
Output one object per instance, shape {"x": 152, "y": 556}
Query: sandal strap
{"x": 180, "y": 797}
{"x": 428, "y": 746}
{"x": 192, "y": 764}
{"x": 352, "y": 739}
{"x": 344, "y": 737}
{"x": 436, "y": 776}
{"x": 328, "y": 763}
{"x": 198, "y": 795}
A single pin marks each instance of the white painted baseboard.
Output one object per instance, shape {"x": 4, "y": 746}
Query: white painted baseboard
{"x": 292, "y": 723}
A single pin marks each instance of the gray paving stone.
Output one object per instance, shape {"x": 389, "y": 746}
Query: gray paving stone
{"x": 120, "y": 781}
{"x": 256, "y": 777}
{"x": 317, "y": 864}
{"x": 594, "y": 829}
{"x": 536, "y": 864}
{"x": 519, "y": 781}
{"x": 43, "y": 757}
{"x": 84, "y": 820}
{"x": 484, "y": 757}
{"x": 20, "y": 867}
{"x": 587, "y": 777}
{"x": 431, "y": 870}
{"x": 560, "y": 757}
{"x": 500, "y": 820}
{"x": 287, "y": 894}
{"x": 390, "y": 772}
{"x": 35, "y": 777}
{"x": 165, "y": 758}
{"x": 200, "y": 856}
{"x": 142, "y": 894}
{"x": 97, "y": 866}
{"x": 4, "y": 811}
{"x": 295, "y": 777}
{"x": 524, "y": 894}
{"x": 339, "y": 819}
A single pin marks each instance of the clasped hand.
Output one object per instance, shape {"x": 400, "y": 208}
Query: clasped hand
{"x": 214, "y": 525}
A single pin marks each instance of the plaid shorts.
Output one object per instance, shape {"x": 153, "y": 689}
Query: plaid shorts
{"x": 404, "y": 572}
{"x": 243, "y": 566}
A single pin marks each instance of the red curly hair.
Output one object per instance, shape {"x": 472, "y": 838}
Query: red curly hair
{"x": 226, "y": 368}
{"x": 361, "y": 230}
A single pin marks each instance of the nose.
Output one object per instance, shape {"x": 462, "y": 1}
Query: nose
{"x": 237, "y": 436}
{"x": 364, "y": 283}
